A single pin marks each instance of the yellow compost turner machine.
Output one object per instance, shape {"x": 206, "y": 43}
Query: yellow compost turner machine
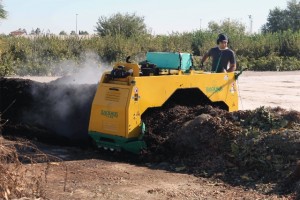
{"x": 129, "y": 89}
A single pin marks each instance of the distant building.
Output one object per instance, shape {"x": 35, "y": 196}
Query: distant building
{"x": 18, "y": 32}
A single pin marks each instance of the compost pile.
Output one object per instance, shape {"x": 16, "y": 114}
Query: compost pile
{"x": 250, "y": 148}
{"x": 254, "y": 148}
{"x": 52, "y": 112}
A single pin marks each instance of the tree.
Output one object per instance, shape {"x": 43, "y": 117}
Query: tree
{"x": 227, "y": 26}
{"x": 83, "y": 33}
{"x": 32, "y": 32}
{"x": 3, "y": 13}
{"x": 282, "y": 20}
{"x": 37, "y": 31}
{"x": 119, "y": 24}
{"x": 63, "y": 33}
{"x": 294, "y": 14}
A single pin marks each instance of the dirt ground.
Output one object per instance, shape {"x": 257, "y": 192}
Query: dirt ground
{"x": 101, "y": 179}
{"x": 269, "y": 89}
{"x": 86, "y": 173}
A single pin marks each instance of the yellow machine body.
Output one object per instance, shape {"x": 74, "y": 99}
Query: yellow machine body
{"x": 115, "y": 119}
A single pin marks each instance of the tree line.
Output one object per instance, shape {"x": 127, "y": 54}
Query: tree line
{"x": 42, "y": 55}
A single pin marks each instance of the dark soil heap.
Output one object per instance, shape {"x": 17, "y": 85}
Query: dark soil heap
{"x": 248, "y": 148}
{"x": 52, "y": 112}
{"x": 243, "y": 147}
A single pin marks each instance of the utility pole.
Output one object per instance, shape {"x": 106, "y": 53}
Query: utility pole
{"x": 251, "y": 21}
{"x": 76, "y": 23}
{"x": 200, "y": 23}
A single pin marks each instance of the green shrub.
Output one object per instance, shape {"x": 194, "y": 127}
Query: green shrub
{"x": 43, "y": 55}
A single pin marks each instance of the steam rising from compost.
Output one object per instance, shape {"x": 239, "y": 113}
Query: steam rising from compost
{"x": 63, "y": 106}
{"x": 89, "y": 71}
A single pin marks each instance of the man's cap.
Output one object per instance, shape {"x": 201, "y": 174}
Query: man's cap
{"x": 222, "y": 37}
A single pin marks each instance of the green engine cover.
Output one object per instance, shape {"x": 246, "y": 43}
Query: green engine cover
{"x": 170, "y": 60}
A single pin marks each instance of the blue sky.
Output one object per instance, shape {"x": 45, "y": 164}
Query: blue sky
{"x": 161, "y": 16}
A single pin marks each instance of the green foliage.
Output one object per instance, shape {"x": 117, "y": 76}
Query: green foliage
{"x": 45, "y": 55}
{"x": 289, "y": 64}
{"x": 37, "y": 56}
{"x": 127, "y": 25}
{"x": 83, "y": 33}
{"x": 227, "y": 26}
{"x": 3, "y": 13}
{"x": 63, "y": 33}
{"x": 256, "y": 52}
{"x": 37, "y": 31}
{"x": 283, "y": 20}
{"x": 289, "y": 43}
{"x": 202, "y": 42}
{"x": 6, "y": 65}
